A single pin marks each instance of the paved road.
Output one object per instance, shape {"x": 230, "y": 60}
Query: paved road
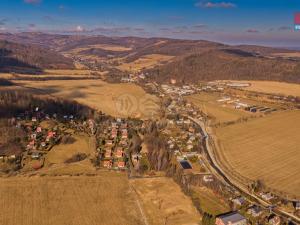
{"x": 229, "y": 180}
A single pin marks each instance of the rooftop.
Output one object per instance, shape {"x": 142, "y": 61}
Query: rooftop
{"x": 185, "y": 164}
{"x": 232, "y": 217}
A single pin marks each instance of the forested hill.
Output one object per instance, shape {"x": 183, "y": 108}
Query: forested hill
{"x": 187, "y": 61}
{"x": 15, "y": 57}
{"x": 226, "y": 64}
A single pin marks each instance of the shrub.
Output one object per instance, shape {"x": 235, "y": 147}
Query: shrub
{"x": 76, "y": 158}
{"x": 68, "y": 140}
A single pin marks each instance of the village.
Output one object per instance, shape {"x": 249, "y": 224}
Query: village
{"x": 184, "y": 138}
{"x": 42, "y": 132}
{"x": 185, "y": 141}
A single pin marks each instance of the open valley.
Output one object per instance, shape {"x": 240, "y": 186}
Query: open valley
{"x": 149, "y": 112}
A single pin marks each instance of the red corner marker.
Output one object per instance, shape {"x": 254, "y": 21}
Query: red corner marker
{"x": 297, "y": 18}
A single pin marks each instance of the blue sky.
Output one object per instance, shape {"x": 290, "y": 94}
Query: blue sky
{"x": 265, "y": 22}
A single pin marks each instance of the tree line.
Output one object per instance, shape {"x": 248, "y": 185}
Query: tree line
{"x": 14, "y": 102}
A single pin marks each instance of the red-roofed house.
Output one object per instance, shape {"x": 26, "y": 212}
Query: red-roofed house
{"x": 119, "y": 152}
{"x": 107, "y": 163}
{"x": 121, "y": 165}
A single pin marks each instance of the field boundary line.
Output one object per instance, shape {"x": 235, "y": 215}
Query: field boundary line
{"x": 139, "y": 205}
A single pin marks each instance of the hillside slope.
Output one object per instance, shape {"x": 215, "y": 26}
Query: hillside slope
{"x": 30, "y": 59}
{"x": 223, "y": 64}
{"x": 187, "y": 61}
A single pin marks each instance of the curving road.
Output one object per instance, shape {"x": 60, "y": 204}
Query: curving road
{"x": 229, "y": 180}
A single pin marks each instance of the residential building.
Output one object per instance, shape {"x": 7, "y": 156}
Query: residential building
{"x": 119, "y": 152}
{"x": 107, "y": 164}
{"x": 297, "y": 205}
{"x": 121, "y": 164}
{"x": 238, "y": 201}
{"x": 266, "y": 196}
{"x": 254, "y": 211}
{"x": 232, "y": 218}
{"x": 274, "y": 220}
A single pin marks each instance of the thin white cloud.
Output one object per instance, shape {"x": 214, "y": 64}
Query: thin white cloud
{"x": 210, "y": 4}
{"x": 79, "y": 29}
{"x": 33, "y": 2}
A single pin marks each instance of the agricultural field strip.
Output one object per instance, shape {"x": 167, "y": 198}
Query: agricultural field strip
{"x": 71, "y": 200}
{"x": 256, "y": 150}
{"x": 273, "y": 87}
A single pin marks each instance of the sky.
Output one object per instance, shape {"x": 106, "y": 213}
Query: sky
{"x": 263, "y": 22}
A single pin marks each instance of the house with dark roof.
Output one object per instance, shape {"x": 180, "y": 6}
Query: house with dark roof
{"x": 232, "y": 218}
{"x": 254, "y": 210}
{"x": 185, "y": 164}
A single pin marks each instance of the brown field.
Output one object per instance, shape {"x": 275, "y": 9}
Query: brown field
{"x": 102, "y": 199}
{"x": 160, "y": 43}
{"x": 164, "y": 202}
{"x": 6, "y": 75}
{"x": 78, "y": 51}
{"x": 266, "y": 149}
{"x": 55, "y": 159}
{"x": 219, "y": 112}
{"x": 56, "y": 73}
{"x": 115, "y": 48}
{"x": 147, "y": 61}
{"x": 209, "y": 201}
{"x": 287, "y": 54}
{"x": 272, "y": 87}
{"x": 69, "y": 72}
{"x": 60, "y": 153}
{"x": 120, "y": 100}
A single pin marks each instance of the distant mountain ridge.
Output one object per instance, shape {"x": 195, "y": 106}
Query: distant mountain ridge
{"x": 191, "y": 61}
